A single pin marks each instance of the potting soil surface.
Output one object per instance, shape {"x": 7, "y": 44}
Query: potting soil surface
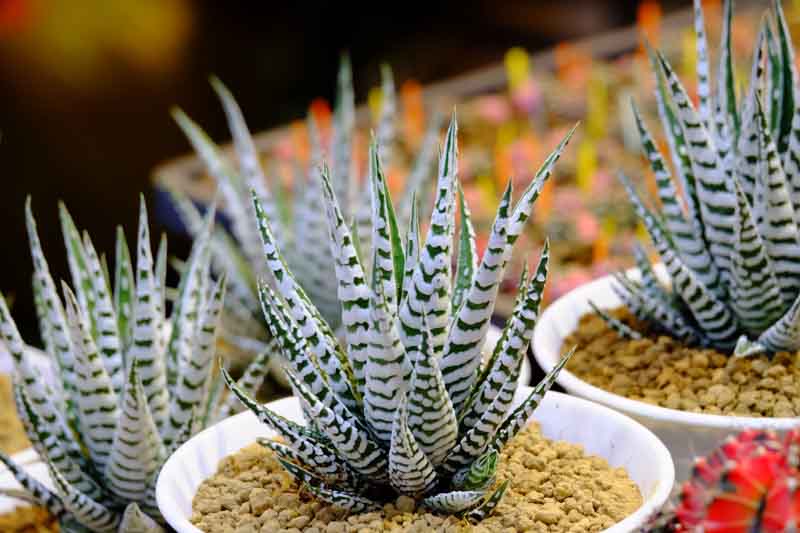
{"x": 663, "y": 371}
{"x": 555, "y": 487}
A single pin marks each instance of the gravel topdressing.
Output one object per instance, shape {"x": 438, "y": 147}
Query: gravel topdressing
{"x": 554, "y": 487}
{"x": 662, "y": 371}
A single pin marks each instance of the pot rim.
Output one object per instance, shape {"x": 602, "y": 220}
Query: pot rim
{"x": 547, "y": 332}
{"x": 207, "y": 448}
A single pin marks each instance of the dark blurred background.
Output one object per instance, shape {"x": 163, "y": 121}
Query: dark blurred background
{"x": 86, "y": 87}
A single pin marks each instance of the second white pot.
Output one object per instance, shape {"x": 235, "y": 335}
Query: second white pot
{"x": 687, "y": 435}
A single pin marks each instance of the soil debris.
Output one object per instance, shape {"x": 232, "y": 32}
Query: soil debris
{"x": 663, "y": 371}
{"x": 555, "y": 487}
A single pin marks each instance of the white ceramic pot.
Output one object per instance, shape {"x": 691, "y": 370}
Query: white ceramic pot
{"x": 687, "y": 435}
{"x": 601, "y": 431}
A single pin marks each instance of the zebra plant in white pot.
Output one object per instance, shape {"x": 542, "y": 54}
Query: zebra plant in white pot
{"x": 131, "y": 383}
{"x": 730, "y": 242}
{"x": 405, "y": 404}
{"x": 297, "y": 216}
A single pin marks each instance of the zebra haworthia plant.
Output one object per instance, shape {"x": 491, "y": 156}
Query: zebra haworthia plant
{"x": 297, "y": 217}
{"x": 404, "y": 404}
{"x": 129, "y": 384}
{"x": 730, "y": 241}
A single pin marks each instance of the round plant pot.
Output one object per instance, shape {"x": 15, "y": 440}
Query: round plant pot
{"x": 687, "y": 435}
{"x": 601, "y": 431}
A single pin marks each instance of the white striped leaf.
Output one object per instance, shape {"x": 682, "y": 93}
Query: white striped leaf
{"x": 86, "y": 510}
{"x": 505, "y": 364}
{"x": 755, "y": 293}
{"x": 78, "y": 267}
{"x": 703, "y": 69}
{"x": 462, "y": 354}
{"x": 137, "y": 451}
{"x": 521, "y": 414}
{"x": 146, "y": 342}
{"x": 342, "y": 137}
{"x": 617, "y": 326}
{"x": 124, "y": 288}
{"x": 784, "y": 334}
{"x": 352, "y": 443}
{"x": 328, "y": 467}
{"x": 410, "y": 471}
{"x": 716, "y": 197}
{"x": 107, "y": 336}
{"x": 353, "y": 292}
{"x": 454, "y": 502}
{"x": 431, "y": 416}
{"x": 41, "y": 495}
{"x": 95, "y": 396}
{"x": 352, "y": 503}
{"x": 489, "y": 504}
{"x": 194, "y": 371}
{"x": 467, "y": 261}
{"x": 686, "y": 235}
{"x": 479, "y": 475}
{"x": 135, "y": 521}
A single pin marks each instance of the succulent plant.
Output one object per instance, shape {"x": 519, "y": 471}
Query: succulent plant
{"x": 404, "y": 404}
{"x": 130, "y": 383}
{"x": 298, "y": 217}
{"x": 750, "y": 484}
{"x": 729, "y": 239}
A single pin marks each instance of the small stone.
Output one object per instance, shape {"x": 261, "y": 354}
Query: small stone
{"x": 549, "y": 514}
{"x": 259, "y": 500}
{"x": 405, "y": 504}
{"x": 299, "y": 522}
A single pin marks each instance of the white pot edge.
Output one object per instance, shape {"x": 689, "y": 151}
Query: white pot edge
{"x": 197, "y": 459}
{"x": 548, "y": 336}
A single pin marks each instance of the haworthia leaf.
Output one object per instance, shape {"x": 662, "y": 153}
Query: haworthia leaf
{"x": 431, "y": 416}
{"x": 388, "y": 369}
{"x": 40, "y": 410}
{"x": 55, "y": 315}
{"x": 468, "y": 330}
{"x": 429, "y": 291}
{"x": 467, "y": 262}
{"x": 784, "y": 334}
{"x": 146, "y": 342}
{"x": 188, "y": 305}
{"x": 341, "y": 144}
{"x": 454, "y": 502}
{"x": 328, "y": 467}
{"x": 249, "y": 164}
{"x": 346, "y": 501}
{"x": 410, "y": 471}
{"x": 135, "y": 521}
{"x": 489, "y": 504}
{"x": 519, "y": 417}
{"x": 79, "y": 269}
{"x": 124, "y": 288}
{"x": 755, "y": 293}
{"x": 228, "y": 182}
{"x": 479, "y": 475}
{"x": 717, "y": 200}
{"x": 249, "y": 382}
{"x": 727, "y": 115}
{"x": 96, "y": 399}
{"x": 775, "y": 215}
{"x": 789, "y": 78}
{"x": 703, "y": 71}
{"x": 412, "y": 249}
{"x": 137, "y": 450}
{"x": 352, "y": 443}
{"x": 41, "y": 494}
{"x": 620, "y": 328}
{"x": 107, "y": 337}
{"x": 353, "y": 291}
{"x": 687, "y": 236}
{"x": 87, "y": 511}
{"x": 417, "y": 183}
{"x": 506, "y": 363}
{"x": 385, "y": 131}
{"x": 194, "y": 371}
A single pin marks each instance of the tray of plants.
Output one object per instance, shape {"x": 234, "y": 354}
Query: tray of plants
{"x": 707, "y": 343}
